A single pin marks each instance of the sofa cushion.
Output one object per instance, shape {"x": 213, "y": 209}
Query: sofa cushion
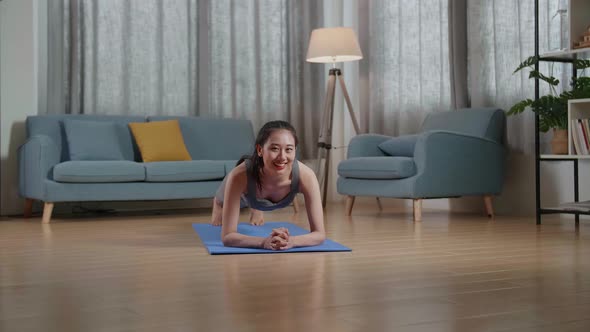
{"x": 178, "y": 171}
{"x": 401, "y": 146}
{"x": 377, "y": 168}
{"x": 160, "y": 141}
{"x": 93, "y": 140}
{"x": 99, "y": 171}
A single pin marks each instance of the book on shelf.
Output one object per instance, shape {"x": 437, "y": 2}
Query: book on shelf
{"x": 583, "y": 137}
{"x": 574, "y": 138}
{"x": 587, "y": 131}
{"x": 577, "y": 138}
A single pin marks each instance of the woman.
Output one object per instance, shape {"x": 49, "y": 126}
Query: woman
{"x": 269, "y": 179}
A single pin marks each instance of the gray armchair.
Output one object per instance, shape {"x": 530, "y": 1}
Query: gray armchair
{"x": 456, "y": 153}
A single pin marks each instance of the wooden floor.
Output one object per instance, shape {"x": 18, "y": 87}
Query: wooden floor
{"x": 151, "y": 273}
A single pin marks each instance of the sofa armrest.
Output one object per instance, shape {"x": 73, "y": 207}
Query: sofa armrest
{"x": 37, "y": 156}
{"x": 455, "y": 164}
{"x": 366, "y": 145}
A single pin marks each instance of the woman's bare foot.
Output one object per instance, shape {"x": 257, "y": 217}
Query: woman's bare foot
{"x": 216, "y": 214}
{"x": 256, "y": 217}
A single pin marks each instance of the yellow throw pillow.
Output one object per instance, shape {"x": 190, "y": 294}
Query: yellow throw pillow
{"x": 160, "y": 141}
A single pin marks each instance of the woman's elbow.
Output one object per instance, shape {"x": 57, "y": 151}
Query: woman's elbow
{"x": 321, "y": 237}
{"x": 227, "y": 240}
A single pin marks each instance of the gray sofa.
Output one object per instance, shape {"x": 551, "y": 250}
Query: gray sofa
{"x": 48, "y": 173}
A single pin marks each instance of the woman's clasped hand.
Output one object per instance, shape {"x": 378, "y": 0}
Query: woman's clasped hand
{"x": 279, "y": 239}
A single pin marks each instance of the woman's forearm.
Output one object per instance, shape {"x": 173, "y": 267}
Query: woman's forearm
{"x": 244, "y": 241}
{"x": 310, "y": 239}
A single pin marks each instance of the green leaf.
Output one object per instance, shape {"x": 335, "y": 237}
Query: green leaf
{"x": 567, "y": 95}
{"x": 520, "y": 107}
{"x": 552, "y": 109}
{"x": 530, "y": 61}
{"x": 581, "y": 83}
{"x": 582, "y": 63}
{"x": 551, "y": 80}
{"x": 543, "y": 125}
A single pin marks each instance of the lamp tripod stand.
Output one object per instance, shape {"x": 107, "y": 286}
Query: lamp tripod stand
{"x": 325, "y": 137}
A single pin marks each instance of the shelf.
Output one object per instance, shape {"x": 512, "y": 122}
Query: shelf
{"x": 562, "y": 211}
{"x": 563, "y": 156}
{"x": 567, "y": 55}
{"x": 579, "y": 101}
{"x": 570, "y": 207}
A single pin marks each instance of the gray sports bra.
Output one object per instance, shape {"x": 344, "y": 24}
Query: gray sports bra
{"x": 265, "y": 204}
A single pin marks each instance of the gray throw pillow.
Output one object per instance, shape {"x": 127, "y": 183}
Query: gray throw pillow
{"x": 401, "y": 146}
{"x": 93, "y": 140}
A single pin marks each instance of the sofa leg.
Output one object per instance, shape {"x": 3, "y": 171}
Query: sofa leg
{"x": 379, "y": 204}
{"x": 295, "y": 205}
{"x": 348, "y": 206}
{"x": 28, "y": 207}
{"x": 488, "y": 203}
{"x": 47, "y": 210}
{"x": 418, "y": 209}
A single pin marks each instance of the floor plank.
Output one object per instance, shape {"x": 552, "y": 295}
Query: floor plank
{"x": 450, "y": 272}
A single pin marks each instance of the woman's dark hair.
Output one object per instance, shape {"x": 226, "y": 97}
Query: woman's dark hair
{"x": 256, "y": 162}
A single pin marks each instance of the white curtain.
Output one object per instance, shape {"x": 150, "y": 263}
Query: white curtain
{"x": 222, "y": 58}
{"x": 500, "y": 37}
{"x": 406, "y": 71}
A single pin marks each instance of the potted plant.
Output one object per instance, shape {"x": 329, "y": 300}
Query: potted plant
{"x": 552, "y": 108}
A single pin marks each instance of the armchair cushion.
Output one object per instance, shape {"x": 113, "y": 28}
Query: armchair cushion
{"x": 402, "y": 146}
{"x": 377, "y": 168}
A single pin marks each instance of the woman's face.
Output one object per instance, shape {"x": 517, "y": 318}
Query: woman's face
{"x": 278, "y": 152}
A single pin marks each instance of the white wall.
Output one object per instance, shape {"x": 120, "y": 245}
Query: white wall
{"x": 18, "y": 89}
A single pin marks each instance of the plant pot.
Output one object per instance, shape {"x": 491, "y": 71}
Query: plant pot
{"x": 559, "y": 141}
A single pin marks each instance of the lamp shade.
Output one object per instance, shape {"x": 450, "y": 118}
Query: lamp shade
{"x": 328, "y": 45}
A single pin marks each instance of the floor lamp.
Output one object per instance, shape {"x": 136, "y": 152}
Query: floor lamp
{"x": 332, "y": 45}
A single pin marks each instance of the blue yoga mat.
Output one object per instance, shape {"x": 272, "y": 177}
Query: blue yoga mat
{"x": 211, "y": 237}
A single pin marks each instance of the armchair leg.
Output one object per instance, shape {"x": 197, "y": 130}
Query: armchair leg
{"x": 295, "y": 205}
{"x": 28, "y": 207}
{"x": 379, "y": 204}
{"x": 47, "y": 210}
{"x": 418, "y": 209}
{"x": 349, "y": 204}
{"x": 488, "y": 203}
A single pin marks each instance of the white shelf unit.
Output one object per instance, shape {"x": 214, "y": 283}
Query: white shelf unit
{"x": 578, "y": 23}
{"x": 576, "y": 109}
{"x": 578, "y": 20}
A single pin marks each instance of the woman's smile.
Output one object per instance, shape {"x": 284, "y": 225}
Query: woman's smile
{"x": 280, "y": 165}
